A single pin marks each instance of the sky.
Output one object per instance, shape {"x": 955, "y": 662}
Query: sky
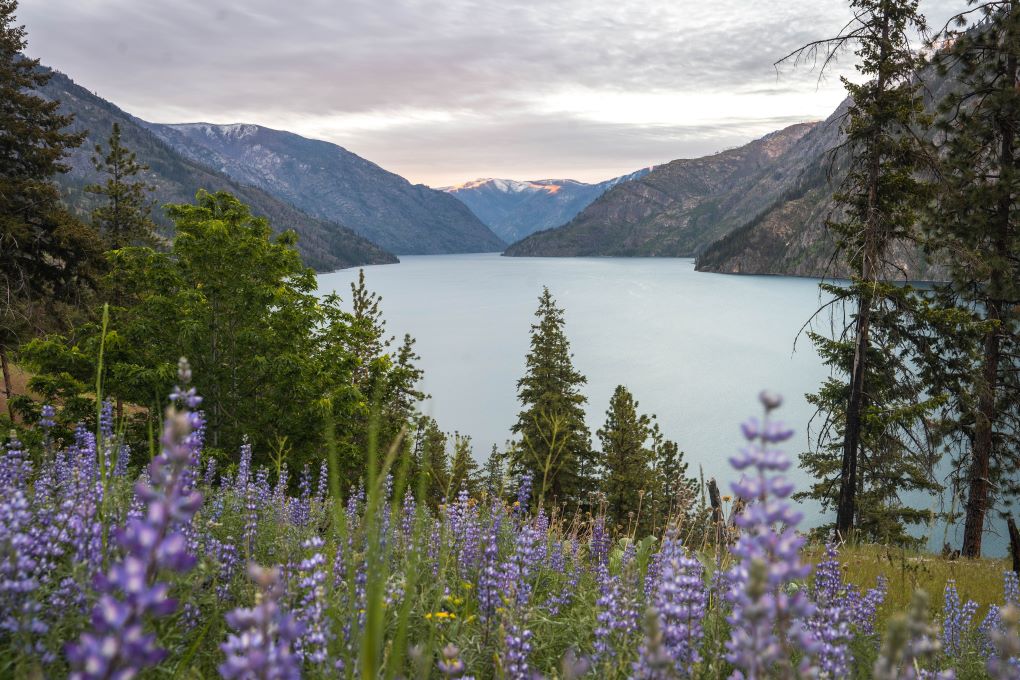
{"x": 446, "y": 91}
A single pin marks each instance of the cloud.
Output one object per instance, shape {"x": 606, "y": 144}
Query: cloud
{"x": 392, "y": 72}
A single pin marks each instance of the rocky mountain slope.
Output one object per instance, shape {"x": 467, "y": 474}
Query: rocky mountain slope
{"x": 515, "y": 209}
{"x": 323, "y": 244}
{"x": 788, "y": 234}
{"x": 681, "y": 207}
{"x": 331, "y": 183}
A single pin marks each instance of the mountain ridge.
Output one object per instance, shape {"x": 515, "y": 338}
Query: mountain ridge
{"x": 514, "y": 209}
{"x": 329, "y": 182}
{"x": 678, "y": 208}
{"x": 324, "y": 245}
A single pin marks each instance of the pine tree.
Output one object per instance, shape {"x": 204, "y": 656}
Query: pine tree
{"x": 493, "y": 476}
{"x": 430, "y": 452}
{"x": 627, "y": 460}
{"x": 48, "y": 259}
{"x": 871, "y": 416}
{"x": 554, "y": 444}
{"x": 976, "y": 222}
{"x": 463, "y": 468}
{"x": 125, "y": 216}
{"x": 674, "y": 491}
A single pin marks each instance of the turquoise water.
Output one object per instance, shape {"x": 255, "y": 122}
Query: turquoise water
{"x": 693, "y": 348}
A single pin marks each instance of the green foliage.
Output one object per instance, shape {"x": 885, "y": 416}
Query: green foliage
{"x": 430, "y": 452}
{"x": 276, "y": 363}
{"x": 48, "y": 259}
{"x": 899, "y": 433}
{"x": 463, "y": 468}
{"x": 125, "y": 216}
{"x": 626, "y": 462}
{"x": 554, "y": 444}
{"x": 494, "y": 476}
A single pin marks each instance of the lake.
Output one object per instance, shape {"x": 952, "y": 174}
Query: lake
{"x": 694, "y": 348}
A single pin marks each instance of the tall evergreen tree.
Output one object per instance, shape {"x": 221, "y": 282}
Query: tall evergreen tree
{"x": 430, "y": 452}
{"x": 877, "y": 201}
{"x": 48, "y": 259}
{"x": 554, "y": 441}
{"x": 493, "y": 475}
{"x": 976, "y": 221}
{"x": 463, "y": 468}
{"x": 673, "y": 489}
{"x": 627, "y": 461}
{"x": 124, "y": 217}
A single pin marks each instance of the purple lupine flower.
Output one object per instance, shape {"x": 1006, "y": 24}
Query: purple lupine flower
{"x": 243, "y": 477}
{"x": 992, "y": 623}
{"x": 865, "y": 608}
{"x": 450, "y": 664}
{"x": 117, "y": 645}
{"x": 1004, "y": 662}
{"x": 280, "y": 497}
{"x": 524, "y": 494}
{"x": 106, "y": 420}
{"x": 251, "y": 517}
{"x": 261, "y": 646}
{"x": 679, "y": 600}
{"x": 464, "y": 532}
{"x": 490, "y": 581}
{"x": 956, "y": 620}
{"x": 228, "y": 559}
{"x": 517, "y": 643}
{"x": 407, "y": 519}
{"x": 910, "y": 640}
{"x": 767, "y": 622}
{"x": 14, "y": 468}
{"x": 120, "y": 467}
{"x": 835, "y": 603}
{"x": 210, "y": 472}
{"x": 263, "y": 492}
{"x": 20, "y": 569}
{"x": 314, "y": 639}
{"x": 323, "y": 488}
{"x": 46, "y": 417}
{"x": 541, "y": 526}
{"x": 607, "y": 618}
{"x": 301, "y": 511}
{"x": 599, "y": 543}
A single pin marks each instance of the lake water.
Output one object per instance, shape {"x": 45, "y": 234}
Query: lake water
{"x": 694, "y": 348}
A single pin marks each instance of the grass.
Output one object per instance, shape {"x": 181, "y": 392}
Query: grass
{"x": 979, "y": 580}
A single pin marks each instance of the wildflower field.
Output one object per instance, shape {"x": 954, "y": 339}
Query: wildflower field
{"x": 183, "y": 570}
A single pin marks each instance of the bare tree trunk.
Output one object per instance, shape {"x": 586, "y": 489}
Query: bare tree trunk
{"x": 1014, "y": 544}
{"x": 8, "y": 391}
{"x": 981, "y": 453}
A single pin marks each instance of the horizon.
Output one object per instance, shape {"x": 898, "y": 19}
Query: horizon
{"x": 464, "y": 92}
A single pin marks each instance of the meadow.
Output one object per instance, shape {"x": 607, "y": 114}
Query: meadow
{"x": 180, "y": 569}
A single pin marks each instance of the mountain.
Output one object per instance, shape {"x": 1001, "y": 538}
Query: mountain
{"x": 324, "y": 245}
{"x": 331, "y": 183}
{"x": 681, "y": 207}
{"x": 514, "y": 209}
{"x": 788, "y": 234}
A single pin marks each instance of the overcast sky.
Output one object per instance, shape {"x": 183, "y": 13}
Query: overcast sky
{"x": 444, "y": 91}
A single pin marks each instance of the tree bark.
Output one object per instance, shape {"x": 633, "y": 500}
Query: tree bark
{"x": 1014, "y": 544}
{"x": 8, "y": 391}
